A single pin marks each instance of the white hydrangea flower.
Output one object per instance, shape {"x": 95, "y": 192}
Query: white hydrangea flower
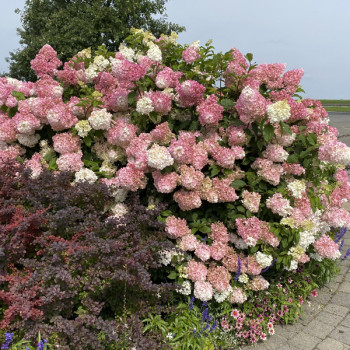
{"x": 243, "y": 278}
{"x": 293, "y": 266}
{"x": 264, "y": 260}
{"x": 144, "y": 106}
{"x": 185, "y": 288}
{"x": 24, "y": 127}
{"x": 83, "y": 128}
{"x": 101, "y": 63}
{"x": 196, "y": 45}
{"x": 119, "y": 194}
{"x": 306, "y": 239}
{"x": 165, "y": 257}
{"x": 85, "y": 174}
{"x": 107, "y": 168}
{"x": 91, "y": 73}
{"x": 127, "y": 52}
{"x": 278, "y": 111}
{"x": 119, "y": 209}
{"x": 297, "y": 187}
{"x": 316, "y": 256}
{"x": 100, "y": 119}
{"x": 159, "y": 157}
{"x": 28, "y": 140}
{"x": 222, "y": 296}
{"x": 154, "y": 53}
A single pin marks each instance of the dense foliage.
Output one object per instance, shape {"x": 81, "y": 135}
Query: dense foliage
{"x": 225, "y": 184}
{"x": 71, "y": 26}
{"x": 68, "y": 271}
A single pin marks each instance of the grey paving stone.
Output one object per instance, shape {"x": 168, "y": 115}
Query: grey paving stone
{"x": 342, "y": 299}
{"x": 333, "y": 286}
{"x": 288, "y": 347}
{"x": 318, "y": 329}
{"x": 329, "y": 318}
{"x": 345, "y": 287}
{"x": 341, "y": 334}
{"x": 346, "y": 322}
{"x": 347, "y": 277}
{"x": 324, "y": 296}
{"x": 275, "y": 342}
{"x": 339, "y": 278}
{"x": 336, "y": 309}
{"x": 330, "y": 344}
{"x": 304, "y": 341}
{"x": 289, "y": 331}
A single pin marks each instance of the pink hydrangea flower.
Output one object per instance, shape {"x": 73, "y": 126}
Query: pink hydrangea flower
{"x": 251, "y": 105}
{"x": 167, "y": 78}
{"x": 196, "y": 271}
{"x": 190, "y": 93}
{"x": 190, "y": 55}
{"x": 66, "y": 143}
{"x": 218, "y": 250}
{"x": 176, "y": 227}
{"x": 165, "y": 183}
{"x": 202, "y": 252}
{"x": 187, "y": 200}
{"x": 121, "y": 134}
{"x": 219, "y": 232}
{"x": 219, "y": 278}
{"x": 190, "y": 178}
{"x": 162, "y": 134}
{"x": 188, "y": 242}
{"x": 203, "y": 290}
{"x": 45, "y": 62}
{"x": 327, "y": 248}
{"x": 251, "y": 200}
{"x": 210, "y": 112}
{"x": 70, "y": 162}
{"x": 131, "y": 178}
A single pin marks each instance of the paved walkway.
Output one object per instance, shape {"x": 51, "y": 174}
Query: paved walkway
{"x": 326, "y": 323}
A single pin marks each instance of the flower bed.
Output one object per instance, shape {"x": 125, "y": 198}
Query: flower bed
{"x": 201, "y": 184}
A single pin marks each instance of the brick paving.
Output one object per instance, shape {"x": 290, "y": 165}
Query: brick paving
{"x": 326, "y": 322}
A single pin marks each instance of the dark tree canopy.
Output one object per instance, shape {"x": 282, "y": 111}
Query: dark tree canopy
{"x": 72, "y": 25}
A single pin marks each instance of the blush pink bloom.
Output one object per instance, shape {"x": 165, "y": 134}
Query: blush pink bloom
{"x": 187, "y": 200}
{"x": 190, "y": 55}
{"x": 190, "y": 178}
{"x": 218, "y": 250}
{"x": 165, "y": 183}
{"x": 45, "y": 62}
{"x": 188, "y": 243}
{"x": 219, "y": 232}
{"x": 121, "y": 134}
{"x": 196, "y": 271}
{"x": 167, "y": 78}
{"x": 219, "y": 278}
{"x": 70, "y": 162}
{"x": 327, "y": 248}
{"x": 251, "y": 105}
{"x": 203, "y": 290}
{"x": 66, "y": 143}
{"x": 190, "y": 93}
{"x": 210, "y": 112}
{"x": 131, "y": 178}
{"x": 251, "y": 200}
{"x": 202, "y": 252}
{"x": 176, "y": 227}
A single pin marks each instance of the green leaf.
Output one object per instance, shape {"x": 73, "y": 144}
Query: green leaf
{"x": 238, "y": 183}
{"x": 249, "y": 56}
{"x": 241, "y": 209}
{"x": 19, "y": 95}
{"x": 227, "y": 103}
{"x": 268, "y": 132}
{"x": 172, "y": 275}
{"x": 292, "y": 158}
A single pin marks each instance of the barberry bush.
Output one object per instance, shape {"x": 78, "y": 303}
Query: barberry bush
{"x": 251, "y": 173}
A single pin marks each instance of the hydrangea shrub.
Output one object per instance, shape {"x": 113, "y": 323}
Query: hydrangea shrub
{"x": 252, "y": 173}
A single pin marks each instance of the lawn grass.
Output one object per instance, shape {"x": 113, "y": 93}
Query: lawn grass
{"x": 337, "y": 108}
{"x": 336, "y": 102}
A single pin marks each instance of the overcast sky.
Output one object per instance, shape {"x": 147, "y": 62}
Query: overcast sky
{"x": 309, "y": 34}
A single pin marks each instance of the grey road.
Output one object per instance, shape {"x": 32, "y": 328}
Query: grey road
{"x": 341, "y": 120}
